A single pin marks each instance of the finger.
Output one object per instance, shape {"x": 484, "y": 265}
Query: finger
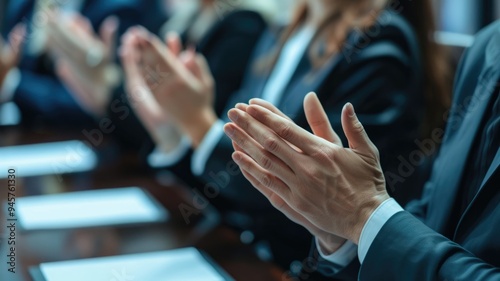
{"x": 286, "y": 129}
{"x": 318, "y": 119}
{"x": 263, "y": 178}
{"x": 70, "y": 78}
{"x": 173, "y": 41}
{"x": 241, "y": 106}
{"x": 269, "y": 106}
{"x": 280, "y": 204}
{"x": 355, "y": 132}
{"x": 200, "y": 69}
{"x": 265, "y": 159}
{"x": 108, "y": 33}
{"x": 82, "y": 22}
{"x": 16, "y": 40}
{"x": 140, "y": 97}
{"x": 265, "y": 137}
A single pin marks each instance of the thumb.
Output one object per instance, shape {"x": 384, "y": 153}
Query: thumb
{"x": 355, "y": 133}
{"x": 318, "y": 119}
{"x": 173, "y": 41}
{"x": 108, "y": 32}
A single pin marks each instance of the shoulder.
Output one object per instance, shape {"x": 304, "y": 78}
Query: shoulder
{"x": 483, "y": 54}
{"x": 240, "y": 21}
{"x": 486, "y": 44}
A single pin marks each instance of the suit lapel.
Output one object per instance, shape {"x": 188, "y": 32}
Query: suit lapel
{"x": 493, "y": 58}
{"x": 494, "y": 167}
{"x": 256, "y": 82}
{"x": 454, "y": 157}
{"x": 306, "y": 80}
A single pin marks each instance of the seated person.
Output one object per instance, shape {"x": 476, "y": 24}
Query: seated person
{"x": 32, "y": 84}
{"x": 337, "y": 190}
{"x": 323, "y": 49}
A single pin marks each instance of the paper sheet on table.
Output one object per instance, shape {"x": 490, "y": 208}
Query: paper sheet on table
{"x": 47, "y": 158}
{"x": 180, "y": 265}
{"x": 120, "y": 206}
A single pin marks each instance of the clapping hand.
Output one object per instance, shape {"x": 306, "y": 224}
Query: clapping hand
{"x": 85, "y": 61}
{"x": 312, "y": 178}
{"x": 173, "y": 84}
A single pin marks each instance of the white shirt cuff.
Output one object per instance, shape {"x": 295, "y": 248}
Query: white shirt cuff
{"x": 160, "y": 158}
{"x": 207, "y": 145}
{"x": 372, "y": 227}
{"x": 343, "y": 256}
{"x": 10, "y": 85}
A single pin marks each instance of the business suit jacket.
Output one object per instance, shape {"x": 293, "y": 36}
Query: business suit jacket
{"x": 380, "y": 74}
{"x": 40, "y": 96}
{"x": 420, "y": 243}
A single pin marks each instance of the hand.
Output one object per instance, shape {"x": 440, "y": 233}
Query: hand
{"x": 85, "y": 60}
{"x": 321, "y": 127}
{"x": 142, "y": 100}
{"x": 10, "y": 52}
{"x": 180, "y": 81}
{"x": 333, "y": 187}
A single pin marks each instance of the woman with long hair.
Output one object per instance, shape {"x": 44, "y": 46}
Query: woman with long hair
{"x": 363, "y": 52}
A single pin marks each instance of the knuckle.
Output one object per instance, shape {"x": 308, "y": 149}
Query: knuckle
{"x": 266, "y": 181}
{"x": 271, "y": 144}
{"x": 358, "y": 127}
{"x": 266, "y": 163}
{"x": 285, "y": 130}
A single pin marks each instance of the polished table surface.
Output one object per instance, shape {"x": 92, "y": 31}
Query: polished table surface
{"x": 120, "y": 170}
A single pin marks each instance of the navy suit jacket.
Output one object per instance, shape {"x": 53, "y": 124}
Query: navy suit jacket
{"x": 40, "y": 96}
{"x": 421, "y": 243}
{"x": 380, "y": 74}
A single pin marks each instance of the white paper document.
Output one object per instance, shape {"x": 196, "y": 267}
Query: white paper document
{"x": 93, "y": 208}
{"x": 54, "y": 158}
{"x": 186, "y": 264}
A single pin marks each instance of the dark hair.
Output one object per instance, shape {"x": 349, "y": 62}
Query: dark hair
{"x": 436, "y": 63}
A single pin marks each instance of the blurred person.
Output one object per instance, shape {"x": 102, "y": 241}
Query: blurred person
{"x": 337, "y": 189}
{"x": 226, "y": 39}
{"x": 328, "y": 48}
{"x": 32, "y": 84}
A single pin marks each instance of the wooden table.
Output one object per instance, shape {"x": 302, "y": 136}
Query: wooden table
{"x": 33, "y": 248}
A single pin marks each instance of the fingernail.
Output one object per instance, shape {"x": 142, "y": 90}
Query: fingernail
{"x": 350, "y": 110}
{"x": 229, "y": 131}
{"x": 233, "y": 115}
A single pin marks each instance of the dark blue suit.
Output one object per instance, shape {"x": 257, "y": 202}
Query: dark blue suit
{"x": 40, "y": 96}
{"x": 453, "y": 232}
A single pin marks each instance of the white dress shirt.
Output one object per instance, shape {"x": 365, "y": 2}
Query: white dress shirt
{"x": 343, "y": 256}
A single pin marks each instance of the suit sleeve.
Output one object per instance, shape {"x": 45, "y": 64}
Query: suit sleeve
{"x": 406, "y": 249}
{"x": 44, "y": 99}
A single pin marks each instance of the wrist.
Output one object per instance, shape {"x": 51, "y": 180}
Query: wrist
{"x": 329, "y": 243}
{"x": 363, "y": 214}
{"x": 198, "y": 127}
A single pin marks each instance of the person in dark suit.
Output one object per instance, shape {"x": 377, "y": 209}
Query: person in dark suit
{"x": 450, "y": 234}
{"x": 380, "y": 72}
{"x": 37, "y": 91}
